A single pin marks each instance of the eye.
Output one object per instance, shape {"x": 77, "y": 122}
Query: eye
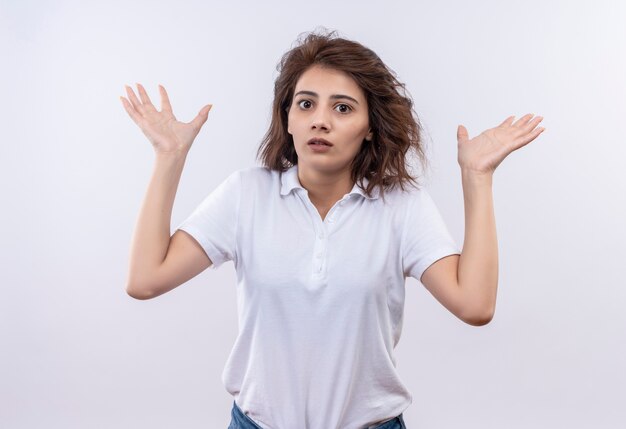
{"x": 304, "y": 104}
{"x": 343, "y": 108}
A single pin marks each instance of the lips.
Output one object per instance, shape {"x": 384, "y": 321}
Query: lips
{"x": 319, "y": 141}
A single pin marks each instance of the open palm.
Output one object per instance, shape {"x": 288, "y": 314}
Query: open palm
{"x": 162, "y": 129}
{"x": 485, "y": 152}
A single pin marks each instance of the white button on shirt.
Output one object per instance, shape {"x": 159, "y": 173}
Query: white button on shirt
{"x": 320, "y": 301}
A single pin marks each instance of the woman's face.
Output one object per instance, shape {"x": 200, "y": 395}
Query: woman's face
{"x": 328, "y": 104}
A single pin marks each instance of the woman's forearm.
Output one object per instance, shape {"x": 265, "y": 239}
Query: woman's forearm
{"x": 478, "y": 264}
{"x": 151, "y": 237}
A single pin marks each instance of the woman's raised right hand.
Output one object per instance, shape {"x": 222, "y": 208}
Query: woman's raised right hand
{"x": 166, "y": 134}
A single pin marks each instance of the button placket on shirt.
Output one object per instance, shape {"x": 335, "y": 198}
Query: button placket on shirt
{"x": 321, "y": 243}
{"x": 319, "y": 253}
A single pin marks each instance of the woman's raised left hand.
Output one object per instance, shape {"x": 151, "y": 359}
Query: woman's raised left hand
{"x": 485, "y": 152}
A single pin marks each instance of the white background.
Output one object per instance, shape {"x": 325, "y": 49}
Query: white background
{"x": 78, "y": 352}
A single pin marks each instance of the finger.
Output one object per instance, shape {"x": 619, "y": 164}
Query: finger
{"x": 133, "y": 99}
{"x": 461, "y": 133}
{"x": 535, "y": 133}
{"x": 532, "y": 124}
{"x": 507, "y": 122}
{"x": 165, "y": 100}
{"x": 130, "y": 110}
{"x": 144, "y": 97}
{"x": 523, "y": 120}
{"x": 202, "y": 116}
{"x": 529, "y": 137}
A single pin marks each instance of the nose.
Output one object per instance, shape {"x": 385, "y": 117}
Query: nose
{"x": 320, "y": 120}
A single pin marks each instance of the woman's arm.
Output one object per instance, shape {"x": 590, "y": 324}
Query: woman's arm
{"x": 158, "y": 262}
{"x": 478, "y": 263}
{"x": 467, "y": 284}
{"x": 149, "y": 274}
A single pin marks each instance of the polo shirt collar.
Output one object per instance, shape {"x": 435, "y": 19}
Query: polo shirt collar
{"x": 289, "y": 181}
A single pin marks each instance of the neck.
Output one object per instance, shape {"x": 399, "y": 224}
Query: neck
{"x": 325, "y": 188}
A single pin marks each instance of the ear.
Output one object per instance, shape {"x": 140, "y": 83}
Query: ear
{"x": 369, "y": 135}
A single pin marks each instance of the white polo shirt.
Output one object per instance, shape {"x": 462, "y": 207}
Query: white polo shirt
{"x": 320, "y": 303}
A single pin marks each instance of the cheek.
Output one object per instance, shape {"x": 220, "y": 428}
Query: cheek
{"x": 358, "y": 130}
{"x": 293, "y": 124}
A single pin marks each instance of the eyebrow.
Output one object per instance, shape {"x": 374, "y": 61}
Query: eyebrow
{"x": 334, "y": 96}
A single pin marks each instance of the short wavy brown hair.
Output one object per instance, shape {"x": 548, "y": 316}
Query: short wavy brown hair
{"x": 395, "y": 127}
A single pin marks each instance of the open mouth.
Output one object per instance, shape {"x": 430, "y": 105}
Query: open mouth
{"x": 319, "y": 142}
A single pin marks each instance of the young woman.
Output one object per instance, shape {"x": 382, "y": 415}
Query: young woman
{"x": 323, "y": 236}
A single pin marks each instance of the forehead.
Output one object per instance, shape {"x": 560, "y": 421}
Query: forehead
{"x": 326, "y": 81}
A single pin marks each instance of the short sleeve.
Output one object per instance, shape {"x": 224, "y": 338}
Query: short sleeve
{"x": 426, "y": 238}
{"x": 213, "y": 224}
